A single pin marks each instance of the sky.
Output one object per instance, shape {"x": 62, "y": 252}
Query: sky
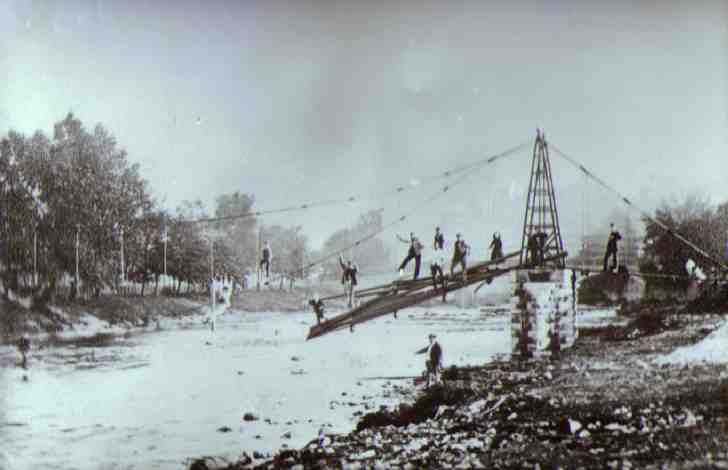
{"x": 304, "y": 101}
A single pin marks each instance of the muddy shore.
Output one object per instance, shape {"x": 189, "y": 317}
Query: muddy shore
{"x": 606, "y": 403}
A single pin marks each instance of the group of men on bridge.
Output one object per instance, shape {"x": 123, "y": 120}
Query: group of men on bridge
{"x": 461, "y": 250}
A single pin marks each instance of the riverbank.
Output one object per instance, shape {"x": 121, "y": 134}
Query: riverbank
{"x": 113, "y": 314}
{"x": 639, "y": 395}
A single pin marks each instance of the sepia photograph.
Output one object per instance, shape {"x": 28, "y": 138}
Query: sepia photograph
{"x": 363, "y": 234}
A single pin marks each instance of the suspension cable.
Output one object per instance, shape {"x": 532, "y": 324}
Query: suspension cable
{"x": 347, "y": 200}
{"x": 402, "y": 218}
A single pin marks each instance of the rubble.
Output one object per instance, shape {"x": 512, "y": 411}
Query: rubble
{"x": 595, "y": 406}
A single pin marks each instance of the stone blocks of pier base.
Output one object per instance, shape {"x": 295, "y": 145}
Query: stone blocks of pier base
{"x": 543, "y": 313}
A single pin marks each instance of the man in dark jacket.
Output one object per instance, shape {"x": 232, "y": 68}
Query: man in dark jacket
{"x": 496, "y": 246}
{"x": 266, "y": 259}
{"x": 23, "y": 348}
{"x": 414, "y": 252}
{"x": 438, "y": 276}
{"x": 459, "y": 256}
{"x": 434, "y": 363}
{"x": 318, "y": 307}
{"x": 439, "y": 242}
{"x": 614, "y": 237}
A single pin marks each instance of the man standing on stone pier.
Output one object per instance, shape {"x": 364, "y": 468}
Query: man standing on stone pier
{"x": 614, "y": 237}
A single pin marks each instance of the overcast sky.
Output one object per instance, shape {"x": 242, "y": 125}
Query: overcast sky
{"x": 303, "y": 101}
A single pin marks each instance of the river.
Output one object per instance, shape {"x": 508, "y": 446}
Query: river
{"x": 155, "y": 399}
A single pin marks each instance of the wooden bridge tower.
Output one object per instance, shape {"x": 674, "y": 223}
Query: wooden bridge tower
{"x": 541, "y": 233}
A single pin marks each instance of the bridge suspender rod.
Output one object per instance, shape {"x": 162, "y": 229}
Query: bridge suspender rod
{"x": 643, "y": 213}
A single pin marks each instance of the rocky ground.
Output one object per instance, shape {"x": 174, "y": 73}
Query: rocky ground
{"x": 605, "y": 403}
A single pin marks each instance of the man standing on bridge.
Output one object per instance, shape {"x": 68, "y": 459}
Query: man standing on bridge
{"x": 438, "y": 276}
{"x": 614, "y": 237}
{"x": 439, "y": 243}
{"x": 496, "y": 247}
{"x": 415, "y": 252}
{"x": 348, "y": 278}
{"x": 318, "y": 308}
{"x": 459, "y": 256}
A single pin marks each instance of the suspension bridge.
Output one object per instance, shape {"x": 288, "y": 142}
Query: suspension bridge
{"x": 542, "y": 251}
{"x": 542, "y": 247}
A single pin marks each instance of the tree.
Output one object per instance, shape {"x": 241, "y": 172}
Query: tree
{"x": 77, "y": 186}
{"x": 371, "y": 255}
{"x": 289, "y": 246}
{"x": 239, "y": 237}
{"x": 694, "y": 219}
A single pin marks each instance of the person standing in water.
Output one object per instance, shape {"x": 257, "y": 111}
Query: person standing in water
{"x": 215, "y": 298}
{"x": 24, "y": 348}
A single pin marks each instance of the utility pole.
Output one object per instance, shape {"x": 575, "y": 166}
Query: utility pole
{"x": 164, "y": 239}
{"x": 212, "y": 259}
{"x": 78, "y": 243}
{"x": 123, "y": 268}
{"x": 35, "y": 256}
{"x": 257, "y": 257}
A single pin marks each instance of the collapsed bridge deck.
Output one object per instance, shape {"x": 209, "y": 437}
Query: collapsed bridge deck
{"x": 397, "y": 295}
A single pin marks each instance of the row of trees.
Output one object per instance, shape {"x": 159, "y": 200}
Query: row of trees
{"x": 69, "y": 203}
{"x": 71, "y": 193}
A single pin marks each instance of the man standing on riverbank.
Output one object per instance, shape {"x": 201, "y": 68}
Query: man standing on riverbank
{"x": 434, "y": 363}
{"x": 265, "y": 262}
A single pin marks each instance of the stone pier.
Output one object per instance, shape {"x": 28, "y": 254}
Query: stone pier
{"x": 543, "y": 313}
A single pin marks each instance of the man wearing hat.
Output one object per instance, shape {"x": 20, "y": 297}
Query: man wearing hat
{"x": 460, "y": 252}
{"x": 614, "y": 237}
{"x": 438, "y": 276}
{"x": 439, "y": 242}
{"x": 434, "y": 363}
{"x": 414, "y": 252}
